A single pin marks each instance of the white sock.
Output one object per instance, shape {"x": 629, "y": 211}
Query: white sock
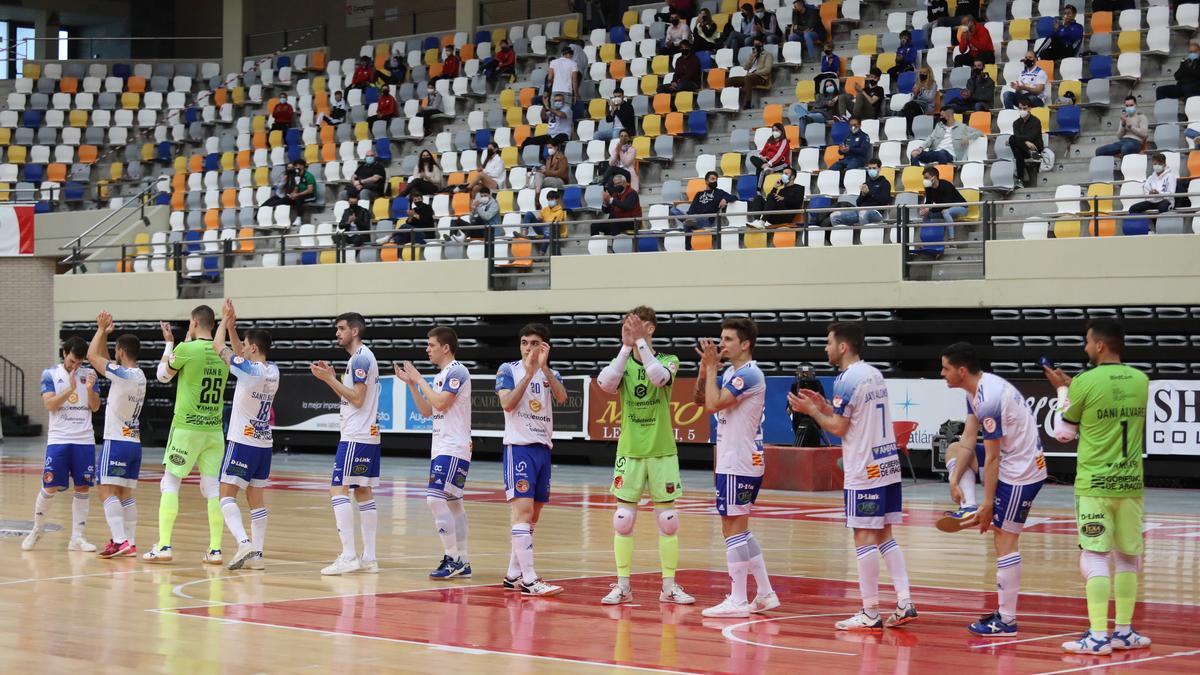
{"x": 444, "y": 520}
{"x": 514, "y": 566}
{"x": 758, "y": 567}
{"x": 115, "y": 515}
{"x": 458, "y": 508}
{"x": 233, "y": 520}
{"x": 130, "y": 508}
{"x": 868, "y": 577}
{"x": 369, "y": 520}
{"x": 894, "y": 559}
{"x": 522, "y": 545}
{"x": 79, "y": 512}
{"x": 258, "y": 528}
{"x": 1008, "y": 585}
{"x": 343, "y": 515}
{"x": 966, "y": 484}
{"x": 737, "y": 558}
{"x": 40, "y": 507}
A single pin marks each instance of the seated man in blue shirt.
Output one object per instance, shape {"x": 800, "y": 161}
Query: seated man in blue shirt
{"x": 710, "y": 201}
{"x": 856, "y": 148}
{"x": 1064, "y": 42}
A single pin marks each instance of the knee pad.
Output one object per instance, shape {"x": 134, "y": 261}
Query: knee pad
{"x": 668, "y": 521}
{"x": 437, "y": 505}
{"x": 623, "y": 520}
{"x": 170, "y": 483}
{"x": 1093, "y": 564}
{"x": 1127, "y": 563}
{"x": 210, "y": 487}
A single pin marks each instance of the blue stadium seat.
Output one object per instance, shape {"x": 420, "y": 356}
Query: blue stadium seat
{"x": 697, "y": 124}
{"x": 839, "y": 132}
{"x": 295, "y": 153}
{"x": 122, "y": 70}
{"x": 211, "y": 268}
{"x": 579, "y": 110}
{"x": 706, "y": 60}
{"x": 647, "y": 244}
{"x": 32, "y": 118}
{"x": 817, "y": 202}
{"x": 920, "y": 40}
{"x": 617, "y": 35}
{"x": 72, "y": 191}
{"x": 162, "y": 199}
{"x": 482, "y": 138}
{"x": 572, "y": 197}
{"x": 308, "y": 258}
{"x": 383, "y": 150}
{"x": 483, "y": 36}
{"x": 212, "y": 162}
{"x": 164, "y": 152}
{"x": 370, "y": 95}
{"x": 1067, "y": 120}
{"x": 747, "y": 187}
{"x": 398, "y": 208}
{"x": 191, "y": 115}
{"x": 293, "y": 137}
{"x": 431, "y": 42}
{"x": 42, "y": 206}
{"x": 1100, "y": 66}
{"x": 283, "y": 61}
{"x": 1045, "y": 26}
{"x": 905, "y": 82}
{"x": 191, "y": 240}
{"x": 1133, "y": 227}
{"x": 950, "y": 95}
{"x": 35, "y": 173}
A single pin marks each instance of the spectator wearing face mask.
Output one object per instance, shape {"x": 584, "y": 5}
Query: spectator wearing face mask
{"x": 710, "y": 202}
{"x": 758, "y": 67}
{"x": 743, "y": 34}
{"x": 418, "y": 225}
{"x": 766, "y": 25}
{"x": 875, "y": 191}
{"x": 830, "y": 62}
{"x": 354, "y": 227}
{"x": 1029, "y": 86}
{"x": 492, "y": 175}
{"x": 775, "y": 154}
{"x": 282, "y": 115}
{"x": 868, "y": 97}
{"x": 1026, "y": 144}
{"x": 906, "y": 56}
{"x": 622, "y": 161}
{"x": 945, "y": 195}
{"x": 558, "y": 117}
{"x": 1161, "y": 181}
{"x": 855, "y": 149}
{"x": 686, "y": 75}
{"x": 974, "y": 43}
{"x": 1131, "y": 137}
{"x": 297, "y": 188}
{"x": 432, "y": 105}
{"x": 924, "y": 94}
{"x": 1066, "y": 39}
{"x": 830, "y": 104}
{"x": 485, "y": 212}
{"x": 808, "y": 27}
{"x": 676, "y": 34}
{"x": 503, "y": 63}
{"x": 370, "y": 178}
{"x": 785, "y": 195}
{"x": 619, "y": 113}
{"x": 428, "y": 179}
{"x": 553, "y": 173}
{"x": 980, "y": 92}
{"x": 385, "y": 107}
{"x": 397, "y": 69}
{"x": 1187, "y": 77}
{"x": 337, "y": 111}
{"x": 549, "y": 214}
{"x": 451, "y": 63}
{"x": 947, "y": 143}
{"x": 620, "y": 202}
{"x": 708, "y": 36}
{"x": 364, "y": 74}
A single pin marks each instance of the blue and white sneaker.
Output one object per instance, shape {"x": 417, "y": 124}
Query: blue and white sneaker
{"x": 464, "y": 571}
{"x": 446, "y": 569}
{"x": 991, "y": 625}
{"x": 1089, "y": 644}
{"x": 1130, "y": 640}
{"x": 952, "y": 521}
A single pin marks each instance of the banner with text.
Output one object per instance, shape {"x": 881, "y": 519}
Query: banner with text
{"x": 1173, "y": 418}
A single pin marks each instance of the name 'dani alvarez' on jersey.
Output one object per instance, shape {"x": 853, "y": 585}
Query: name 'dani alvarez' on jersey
{"x": 1113, "y": 413}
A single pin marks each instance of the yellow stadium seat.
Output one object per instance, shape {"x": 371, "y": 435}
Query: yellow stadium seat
{"x": 312, "y": 153}
{"x": 508, "y": 98}
{"x": 754, "y": 239}
{"x": 1043, "y": 114}
{"x": 514, "y": 116}
{"x": 1129, "y": 41}
{"x": 912, "y": 179}
{"x": 328, "y": 257}
{"x": 1066, "y": 229}
{"x": 731, "y": 164}
{"x": 116, "y": 171}
{"x": 570, "y": 29}
{"x": 729, "y": 6}
{"x": 660, "y": 65}
{"x": 769, "y": 182}
{"x": 5, "y": 194}
{"x": 511, "y": 156}
{"x": 806, "y": 91}
{"x": 685, "y": 101}
{"x": 78, "y": 118}
{"x": 431, "y": 56}
{"x": 652, "y": 125}
{"x": 262, "y": 177}
{"x": 1102, "y": 194}
{"x": 1072, "y": 86}
{"x": 885, "y": 61}
{"x": 275, "y": 139}
{"x": 147, "y": 153}
{"x": 608, "y": 52}
{"x": 507, "y": 201}
{"x": 641, "y": 147}
{"x": 130, "y": 100}
{"x": 411, "y": 253}
{"x": 868, "y": 44}
{"x": 259, "y": 122}
{"x": 541, "y": 129}
{"x": 499, "y": 34}
{"x": 1018, "y": 29}
{"x": 379, "y": 208}
{"x": 31, "y": 70}
{"x": 228, "y": 160}
{"x": 362, "y": 131}
{"x": 318, "y": 85}
{"x": 597, "y": 108}
{"x": 649, "y": 85}
{"x": 629, "y": 18}
{"x": 238, "y": 95}
{"x": 5, "y": 136}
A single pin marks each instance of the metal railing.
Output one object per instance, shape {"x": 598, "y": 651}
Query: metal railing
{"x": 12, "y": 385}
{"x": 278, "y": 41}
{"x": 135, "y": 204}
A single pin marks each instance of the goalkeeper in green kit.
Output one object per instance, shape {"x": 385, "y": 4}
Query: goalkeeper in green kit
{"x": 647, "y": 458}
{"x": 1106, "y": 407}
{"x": 196, "y": 437}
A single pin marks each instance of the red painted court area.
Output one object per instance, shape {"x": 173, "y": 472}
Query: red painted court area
{"x": 799, "y": 637}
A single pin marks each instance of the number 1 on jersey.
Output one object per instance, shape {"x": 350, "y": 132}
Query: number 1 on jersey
{"x": 882, "y": 420}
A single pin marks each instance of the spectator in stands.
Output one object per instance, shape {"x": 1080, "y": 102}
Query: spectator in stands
{"x": 868, "y": 97}
{"x": 364, "y": 74}
{"x": 980, "y": 92}
{"x": 1066, "y": 39}
{"x": 785, "y": 195}
{"x": 766, "y": 25}
{"x": 974, "y": 43}
{"x": 937, "y": 12}
{"x": 451, "y": 63}
{"x": 552, "y": 212}
{"x": 397, "y": 68}
{"x": 1187, "y": 77}
{"x": 677, "y": 33}
{"x": 282, "y": 115}
{"x": 855, "y": 148}
{"x": 1131, "y": 137}
{"x": 924, "y": 94}
{"x": 559, "y": 118}
{"x": 808, "y": 26}
{"x": 1161, "y": 181}
{"x": 744, "y": 34}
{"x": 297, "y": 188}
{"x": 622, "y": 161}
{"x": 337, "y": 111}
{"x": 1026, "y": 144}
{"x": 1030, "y": 84}
{"x": 875, "y": 191}
{"x": 428, "y": 179}
{"x": 420, "y": 217}
{"x": 710, "y": 201}
{"x": 354, "y": 228}
{"x": 707, "y": 37}
{"x": 947, "y": 143}
{"x": 938, "y": 191}
{"x": 830, "y": 104}
{"x": 620, "y": 114}
{"x": 775, "y": 154}
{"x": 503, "y": 63}
{"x": 830, "y": 62}
{"x": 385, "y": 107}
{"x": 485, "y": 212}
{"x": 684, "y": 8}
{"x": 758, "y": 67}
{"x": 906, "y": 56}
{"x": 433, "y": 103}
{"x": 370, "y": 178}
{"x": 491, "y": 176}
{"x": 620, "y": 201}
{"x": 687, "y": 73}
{"x": 563, "y": 75}
{"x": 554, "y": 172}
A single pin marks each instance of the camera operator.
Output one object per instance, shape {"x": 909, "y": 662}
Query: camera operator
{"x": 807, "y": 433}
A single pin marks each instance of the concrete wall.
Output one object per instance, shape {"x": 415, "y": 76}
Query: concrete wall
{"x": 59, "y": 228}
{"x": 27, "y": 333}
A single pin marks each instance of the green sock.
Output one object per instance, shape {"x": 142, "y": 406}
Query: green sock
{"x": 216, "y": 523}
{"x": 668, "y": 554}
{"x": 168, "y": 508}
{"x": 623, "y": 551}
{"x": 1125, "y": 586}
{"x": 1097, "y": 603}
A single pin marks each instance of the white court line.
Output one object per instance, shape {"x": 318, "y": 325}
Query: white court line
{"x": 1114, "y": 664}
{"x": 1013, "y": 642}
{"x": 727, "y": 633}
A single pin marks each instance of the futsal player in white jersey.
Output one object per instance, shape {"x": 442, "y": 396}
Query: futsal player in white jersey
{"x": 861, "y": 416}
{"x": 738, "y": 403}
{"x": 356, "y": 464}
{"x": 121, "y": 455}
{"x": 1013, "y": 472}
{"x": 528, "y": 390}
{"x": 448, "y": 402}
{"x": 71, "y": 393}
{"x": 247, "y": 461}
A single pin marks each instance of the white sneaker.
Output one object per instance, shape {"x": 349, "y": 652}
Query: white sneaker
{"x": 256, "y": 561}
{"x": 31, "y": 539}
{"x": 1130, "y": 640}
{"x": 213, "y": 557}
{"x": 540, "y": 588}
{"x": 676, "y": 595}
{"x": 244, "y": 553}
{"x": 764, "y": 602}
{"x": 80, "y": 544}
{"x": 617, "y": 596}
{"x": 368, "y": 566}
{"x": 728, "y": 609}
{"x": 158, "y": 555}
{"x": 860, "y": 621}
{"x": 342, "y": 566}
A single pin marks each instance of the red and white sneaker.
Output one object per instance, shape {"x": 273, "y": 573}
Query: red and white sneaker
{"x": 130, "y": 552}
{"x": 113, "y": 549}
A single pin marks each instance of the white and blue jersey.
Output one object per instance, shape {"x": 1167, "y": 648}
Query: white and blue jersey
{"x": 121, "y": 455}
{"x": 739, "y": 427}
{"x": 361, "y": 424}
{"x": 72, "y": 422}
{"x": 247, "y": 461}
{"x": 532, "y": 421}
{"x": 452, "y": 427}
{"x": 869, "y": 454}
{"x": 1003, "y": 415}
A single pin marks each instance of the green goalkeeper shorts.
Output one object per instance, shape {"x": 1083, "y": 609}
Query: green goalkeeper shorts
{"x": 189, "y": 447}
{"x": 1106, "y": 523}
{"x": 632, "y": 476}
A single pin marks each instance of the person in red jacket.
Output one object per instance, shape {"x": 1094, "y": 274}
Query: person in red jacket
{"x": 503, "y": 63}
{"x": 364, "y": 74}
{"x": 450, "y": 65}
{"x": 776, "y": 154}
{"x": 385, "y": 107}
{"x": 282, "y": 115}
{"x": 974, "y": 44}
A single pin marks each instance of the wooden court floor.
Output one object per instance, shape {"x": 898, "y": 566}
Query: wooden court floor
{"x": 61, "y": 610}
